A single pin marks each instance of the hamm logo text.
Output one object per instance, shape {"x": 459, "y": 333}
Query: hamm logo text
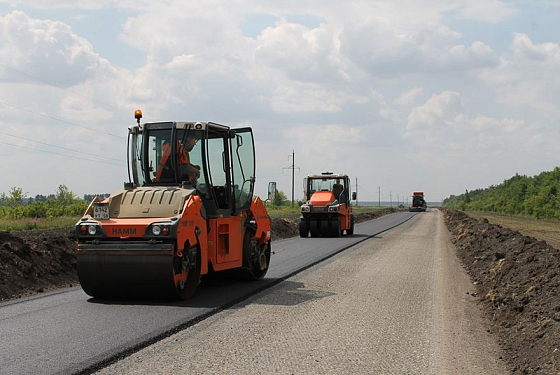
{"x": 123, "y": 231}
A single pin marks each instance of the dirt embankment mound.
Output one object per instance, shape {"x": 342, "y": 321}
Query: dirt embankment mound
{"x": 36, "y": 261}
{"x": 518, "y": 281}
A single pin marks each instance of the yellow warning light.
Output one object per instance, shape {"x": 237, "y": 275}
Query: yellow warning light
{"x": 138, "y": 114}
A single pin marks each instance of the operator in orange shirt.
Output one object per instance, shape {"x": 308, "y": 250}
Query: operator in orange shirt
{"x": 187, "y": 171}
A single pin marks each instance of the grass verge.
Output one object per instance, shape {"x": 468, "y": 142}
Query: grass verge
{"x": 70, "y": 221}
{"x": 38, "y": 223}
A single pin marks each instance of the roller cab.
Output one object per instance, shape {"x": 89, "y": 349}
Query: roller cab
{"x": 187, "y": 209}
{"x": 328, "y": 210}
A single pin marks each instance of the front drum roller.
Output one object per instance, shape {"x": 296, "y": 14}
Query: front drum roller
{"x": 120, "y": 273}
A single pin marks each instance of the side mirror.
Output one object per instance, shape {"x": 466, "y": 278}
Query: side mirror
{"x": 271, "y": 191}
{"x": 354, "y": 196}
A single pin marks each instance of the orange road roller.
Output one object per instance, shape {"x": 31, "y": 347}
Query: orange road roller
{"x": 187, "y": 210}
{"x": 327, "y": 211}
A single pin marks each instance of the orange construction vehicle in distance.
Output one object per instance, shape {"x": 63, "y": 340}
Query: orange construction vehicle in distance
{"x": 187, "y": 210}
{"x": 418, "y": 202}
{"x": 327, "y": 211}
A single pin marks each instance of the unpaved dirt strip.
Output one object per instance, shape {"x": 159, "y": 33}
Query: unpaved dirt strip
{"x": 397, "y": 304}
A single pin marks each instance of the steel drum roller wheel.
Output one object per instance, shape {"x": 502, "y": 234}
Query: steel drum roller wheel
{"x": 256, "y": 257}
{"x": 187, "y": 275}
{"x": 124, "y": 275}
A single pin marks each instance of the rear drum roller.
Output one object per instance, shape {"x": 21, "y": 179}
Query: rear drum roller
{"x": 186, "y": 273}
{"x": 303, "y": 229}
{"x": 256, "y": 257}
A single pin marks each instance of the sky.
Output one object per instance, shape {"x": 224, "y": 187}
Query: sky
{"x": 439, "y": 96}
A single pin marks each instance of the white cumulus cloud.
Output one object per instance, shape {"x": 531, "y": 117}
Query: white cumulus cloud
{"x": 47, "y": 49}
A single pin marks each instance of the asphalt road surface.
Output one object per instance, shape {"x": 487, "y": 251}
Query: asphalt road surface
{"x": 68, "y": 332}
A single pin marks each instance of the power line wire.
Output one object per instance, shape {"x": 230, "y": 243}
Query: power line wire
{"x": 56, "y": 153}
{"x": 58, "y": 87}
{"x": 63, "y": 148}
{"x": 64, "y": 121}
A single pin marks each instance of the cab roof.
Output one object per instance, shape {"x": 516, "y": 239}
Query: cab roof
{"x": 195, "y": 125}
{"x": 327, "y": 175}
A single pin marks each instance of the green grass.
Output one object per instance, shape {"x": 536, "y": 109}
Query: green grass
{"x": 40, "y": 223}
{"x": 546, "y": 230}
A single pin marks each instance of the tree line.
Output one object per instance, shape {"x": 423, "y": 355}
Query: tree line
{"x": 536, "y": 196}
{"x": 17, "y": 205}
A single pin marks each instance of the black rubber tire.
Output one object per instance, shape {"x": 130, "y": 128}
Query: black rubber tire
{"x": 335, "y": 228}
{"x": 314, "y": 228}
{"x": 325, "y": 228}
{"x": 350, "y": 231}
{"x": 303, "y": 228}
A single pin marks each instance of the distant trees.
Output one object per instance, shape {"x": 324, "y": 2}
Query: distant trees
{"x": 14, "y": 198}
{"x": 279, "y": 199}
{"x": 15, "y": 205}
{"x": 89, "y": 197}
{"x": 536, "y": 196}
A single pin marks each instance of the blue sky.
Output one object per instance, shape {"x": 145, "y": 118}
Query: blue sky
{"x": 440, "y": 96}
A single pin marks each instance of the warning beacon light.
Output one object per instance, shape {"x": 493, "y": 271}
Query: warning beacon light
{"x": 138, "y": 115}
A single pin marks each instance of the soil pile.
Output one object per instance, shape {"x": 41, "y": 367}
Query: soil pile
{"x": 284, "y": 228}
{"x": 518, "y": 282}
{"x": 36, "y": 261}
{"x": 365, "y": 216}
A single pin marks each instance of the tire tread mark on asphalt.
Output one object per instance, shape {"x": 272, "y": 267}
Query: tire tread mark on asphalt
{"x": 137, "y": 347}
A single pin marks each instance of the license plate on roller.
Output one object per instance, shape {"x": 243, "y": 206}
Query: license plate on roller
{"x": 101, "y": 212}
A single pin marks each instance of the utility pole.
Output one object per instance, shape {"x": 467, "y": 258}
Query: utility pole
{"x": 391, "y": 197}
{"x": 293, "y": 168}
{"x": 379, "y": 196}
